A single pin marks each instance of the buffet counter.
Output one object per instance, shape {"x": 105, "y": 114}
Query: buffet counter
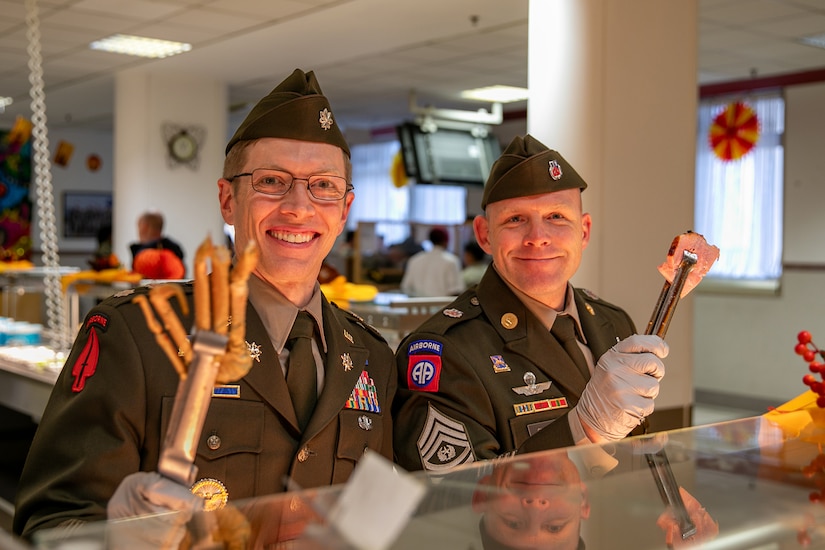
{"x": 750, "y": 483}
{"x": 27, "y": 375}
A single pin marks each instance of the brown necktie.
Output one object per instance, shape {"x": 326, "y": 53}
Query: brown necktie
{"x": 301, "y": 373}
{"x": 565, "y": 331}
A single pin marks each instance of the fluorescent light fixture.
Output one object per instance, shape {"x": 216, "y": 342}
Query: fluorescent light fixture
{"x": 496, "y": 94}
{"x": 816, "y": 40}
{"x": 140, "y": 46}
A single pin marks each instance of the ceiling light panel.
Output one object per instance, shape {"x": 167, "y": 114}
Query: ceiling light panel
{"x": 140, "y": 46}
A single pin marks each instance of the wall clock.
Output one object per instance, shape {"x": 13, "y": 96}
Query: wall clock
{"x": 183, "y": 144}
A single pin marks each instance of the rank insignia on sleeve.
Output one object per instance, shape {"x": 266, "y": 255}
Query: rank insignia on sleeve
{"x": 86, "y": 363}
{"x": 444, "y": 442}
{"x": 424, "y": 372}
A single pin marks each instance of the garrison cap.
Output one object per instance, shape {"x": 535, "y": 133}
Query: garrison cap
{"x": 295, "y": 109}
{"x": 527, "y": 167}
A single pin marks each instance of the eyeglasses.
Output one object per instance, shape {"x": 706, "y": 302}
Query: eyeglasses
{"x": 278, "y": 183}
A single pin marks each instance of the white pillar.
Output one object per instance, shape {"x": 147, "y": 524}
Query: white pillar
{"x": 146, "y": 104}
{"x": 613, "y": 88}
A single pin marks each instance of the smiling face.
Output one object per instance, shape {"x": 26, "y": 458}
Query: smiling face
{"x": 536, "y": 241}
{"x": 294, "y": 232}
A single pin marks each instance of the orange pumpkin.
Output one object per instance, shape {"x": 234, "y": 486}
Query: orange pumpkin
{"x": 158, "y": 263}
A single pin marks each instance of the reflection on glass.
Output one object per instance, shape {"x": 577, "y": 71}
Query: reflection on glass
{"x": 537, "y": 502}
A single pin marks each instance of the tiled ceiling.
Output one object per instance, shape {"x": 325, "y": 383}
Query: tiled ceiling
{"x": 369, "y": 54}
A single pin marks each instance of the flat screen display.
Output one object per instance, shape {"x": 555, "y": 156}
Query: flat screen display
{"x": 447, "y": 156}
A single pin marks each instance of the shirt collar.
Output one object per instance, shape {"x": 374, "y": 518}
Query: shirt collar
{"x": 278, "y": 314}
{"x": 547, "y": 315}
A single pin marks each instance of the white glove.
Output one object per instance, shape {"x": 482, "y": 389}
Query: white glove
{"x": 169, "y": 504}
{"x": 624, "y": 384}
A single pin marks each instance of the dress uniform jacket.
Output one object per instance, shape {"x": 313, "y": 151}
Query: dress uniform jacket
{"x": 482, "y": 376}
{"x": 109, "y": 410}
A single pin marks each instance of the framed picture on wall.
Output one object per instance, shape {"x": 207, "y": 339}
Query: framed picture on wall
{"x": 84, "y": 213}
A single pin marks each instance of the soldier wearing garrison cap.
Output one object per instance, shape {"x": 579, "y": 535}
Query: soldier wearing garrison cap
{"x": 286, "y": 185}
{"x": 524, "y": 361}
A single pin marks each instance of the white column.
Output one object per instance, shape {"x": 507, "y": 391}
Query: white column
{"x": 613, "y": 88}
{"x": 144, "y": 178}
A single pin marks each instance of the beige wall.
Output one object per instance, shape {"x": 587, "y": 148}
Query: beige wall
{"x": 744, "y": 343}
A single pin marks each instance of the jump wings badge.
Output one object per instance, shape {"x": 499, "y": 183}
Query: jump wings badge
{"x": 530, "y": 387}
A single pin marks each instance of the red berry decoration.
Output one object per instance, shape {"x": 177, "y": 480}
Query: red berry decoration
{"x": 809, "y": 352}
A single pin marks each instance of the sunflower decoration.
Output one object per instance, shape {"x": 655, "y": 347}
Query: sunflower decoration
{"x": 734, "y": 131}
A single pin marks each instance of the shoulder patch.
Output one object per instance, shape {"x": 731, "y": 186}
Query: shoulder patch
{"x": 424, "y": 372}
{"x": 444, "y": 442}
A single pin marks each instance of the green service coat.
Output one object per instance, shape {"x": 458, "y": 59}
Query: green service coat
{"x": 460, "y": 372}
{"x": 114, "y": 420}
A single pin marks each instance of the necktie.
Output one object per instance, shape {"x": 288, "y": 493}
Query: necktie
{"x": 301, "y": 373}
{"x": 565, "y": 331}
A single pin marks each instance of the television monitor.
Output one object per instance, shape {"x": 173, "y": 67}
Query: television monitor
{"x": 447, "y": 156}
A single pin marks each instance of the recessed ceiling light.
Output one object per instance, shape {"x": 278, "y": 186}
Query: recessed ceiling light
{"x": 140, "y": 46}
{"x": 497, "y": 94}
{"x": 816, "y": 40}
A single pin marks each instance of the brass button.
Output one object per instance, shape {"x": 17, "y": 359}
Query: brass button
{"x": 509, "y": 321}
{"x": 213, "y": 442}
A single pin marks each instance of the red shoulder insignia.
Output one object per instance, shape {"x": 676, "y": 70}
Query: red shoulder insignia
{"x": 86, "y": 363}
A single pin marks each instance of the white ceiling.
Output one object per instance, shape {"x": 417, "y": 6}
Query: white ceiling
{"x": 368, "y": 54}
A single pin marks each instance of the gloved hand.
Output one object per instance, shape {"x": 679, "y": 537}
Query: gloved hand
{"x": 624, "y": 384}
{"x": 169, "y": 504}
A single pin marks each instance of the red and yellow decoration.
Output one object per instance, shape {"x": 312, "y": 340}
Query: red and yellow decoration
{"x": 734, "y": 131}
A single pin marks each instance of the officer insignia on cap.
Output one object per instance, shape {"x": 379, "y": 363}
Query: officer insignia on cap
{"x": 326, "y": 119}
{"x": 555, "y": 170}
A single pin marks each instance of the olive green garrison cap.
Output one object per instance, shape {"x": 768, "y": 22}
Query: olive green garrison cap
{"x": 527, "y": 167}
{"x": 295, "y": 109}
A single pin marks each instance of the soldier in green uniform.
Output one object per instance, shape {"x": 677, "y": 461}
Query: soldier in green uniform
{"x": 286, "y": 186}
{"x": 490, "y": 374}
